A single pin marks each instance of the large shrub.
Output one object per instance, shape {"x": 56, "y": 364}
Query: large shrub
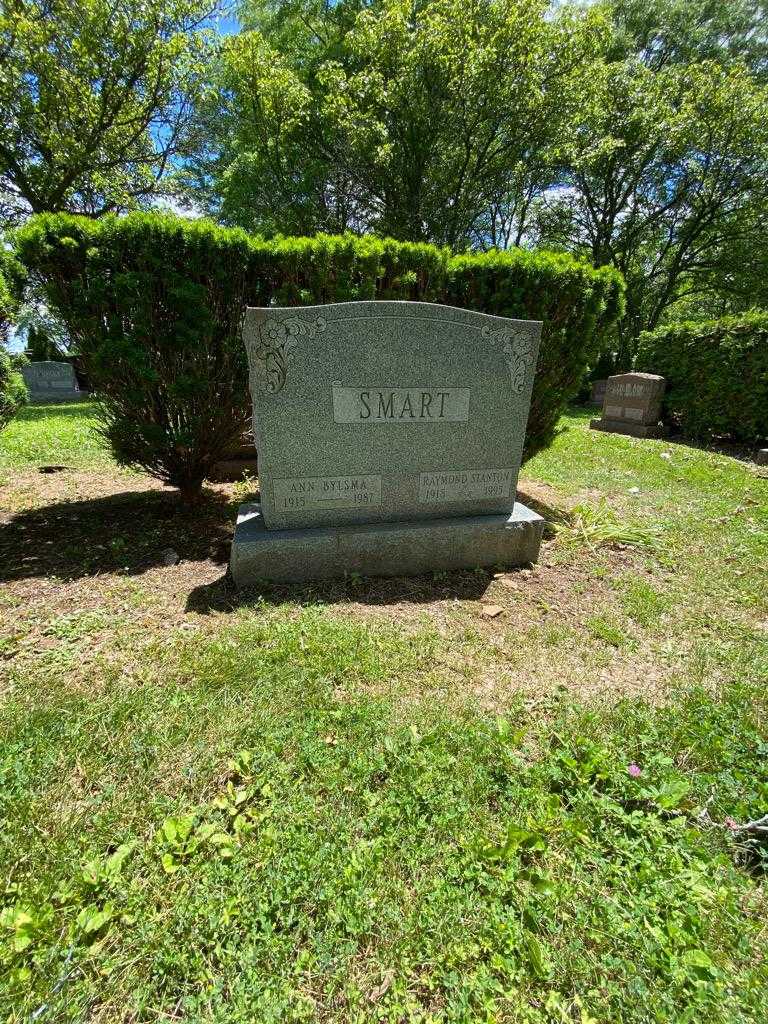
{"x": 154, "y": 304}
{"x": 717, "y": 375}
{"x": 153, "y": 307}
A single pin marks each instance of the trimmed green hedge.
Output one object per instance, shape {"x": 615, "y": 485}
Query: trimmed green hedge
{"x": 154, "y": 302}
{"x": 11, "y": 286}
{"x": 717, "y": 375}
{"x": 13, "y": 390}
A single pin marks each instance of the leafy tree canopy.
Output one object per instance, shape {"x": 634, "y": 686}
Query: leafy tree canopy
{"x": 631, "y": 132}
{"x": 667, "y": 174}
{"x": 393, "y": 117}
{"x": 664, "y": 32}
{"x": 96, "y": 100}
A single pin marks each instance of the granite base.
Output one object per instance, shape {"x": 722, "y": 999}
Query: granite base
{"x": 381, "y": 549}
{"x": 631, "y": 429}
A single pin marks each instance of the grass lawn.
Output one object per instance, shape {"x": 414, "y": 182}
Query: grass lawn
{"x": 370, "y": 800}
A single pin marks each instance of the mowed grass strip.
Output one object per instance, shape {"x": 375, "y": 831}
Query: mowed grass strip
{"x": 261, "y": 821}
{"x": 63, "y": 433}
{"x": 238, "y": 832}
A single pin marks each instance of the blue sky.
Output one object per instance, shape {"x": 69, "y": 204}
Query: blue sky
{"x": 227, "y": 24}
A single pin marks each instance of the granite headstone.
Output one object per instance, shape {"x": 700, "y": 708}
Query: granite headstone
{"x": 51, "y": 381}
{"x": 632, "y": 405}
{"x": 390, "y": 436}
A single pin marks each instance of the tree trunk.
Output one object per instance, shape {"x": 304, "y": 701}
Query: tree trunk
{"x": 190, "y": 492}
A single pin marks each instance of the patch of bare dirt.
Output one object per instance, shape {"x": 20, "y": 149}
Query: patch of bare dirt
{"x": 98, "y": 565}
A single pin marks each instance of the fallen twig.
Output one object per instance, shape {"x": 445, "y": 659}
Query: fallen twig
{"x": 758, "y": 827}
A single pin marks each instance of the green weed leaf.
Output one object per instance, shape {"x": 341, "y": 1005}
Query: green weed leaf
{"x": 536, "y": 956}
{"x": 91, "y": 919}
{"x": 21, "y": 922}
{"x": 170, "y": 864}
{"x": 672, "y": 794}
{"x": 699, "y": 962}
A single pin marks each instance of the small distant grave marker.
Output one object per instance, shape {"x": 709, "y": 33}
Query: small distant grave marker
{"x": 390, "y": 436}
{"x": 632, "y": 405}
{"x": 51, "y": 381}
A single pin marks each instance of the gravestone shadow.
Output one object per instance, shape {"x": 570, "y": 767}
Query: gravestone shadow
{"x": 129, "y": 533}
{"x": 461, "y": 585}
{"x": 552, "y": 516}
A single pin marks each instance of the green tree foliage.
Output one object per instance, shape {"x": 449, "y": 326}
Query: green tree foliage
{"x": 13, "y": 391}
{"x": 11, "y": 287}
{"x": 154, "y": 304}
{"x": 7, "y": 304}
{"x": 96, "y": 98}
{"x": 664, "y": 32}
{"x": 717, "y": 375}
{"x": 409, "y": 120}
{"x": 41, "y": 346}
{"x": 631, "y": 132}
{"x": 668, "y": 174}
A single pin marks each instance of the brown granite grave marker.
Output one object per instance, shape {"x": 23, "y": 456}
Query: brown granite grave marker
{"x": 632, "y": 405}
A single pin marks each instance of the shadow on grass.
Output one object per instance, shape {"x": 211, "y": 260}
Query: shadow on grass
{"x": 221, "y": 596}
{"x": 127, "y": 533}
{"x": 130, "y": 532}
{"x": 717, "y": 445}
{"x": 551, "y": 515}
{"x": 37, "y": 411}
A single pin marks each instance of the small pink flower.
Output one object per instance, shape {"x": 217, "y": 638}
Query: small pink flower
{"x": 635, "y": 770}
{"x": 731, "y": 823}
